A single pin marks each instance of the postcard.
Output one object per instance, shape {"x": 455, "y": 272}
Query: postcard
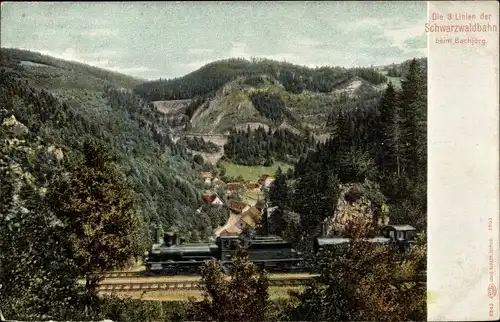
{"x": 249, "y": 161}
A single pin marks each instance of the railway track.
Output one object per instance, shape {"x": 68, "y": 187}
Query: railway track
{"x": 187, "y": 285}
{"x": 195, "y": 285}
{"x": 124, "y": 274}
{"x": 422, "y": 274}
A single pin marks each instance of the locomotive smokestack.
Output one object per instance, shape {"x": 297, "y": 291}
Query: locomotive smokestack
{"x": 323, "y": 228}
{"x": 157, "y": 234}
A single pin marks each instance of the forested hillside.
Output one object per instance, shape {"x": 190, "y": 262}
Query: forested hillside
{"x": 232, "y": 93}
{"x": 64, "y": 113}
{"x": 294, "y": 78}
{"x": 381, "y": 146}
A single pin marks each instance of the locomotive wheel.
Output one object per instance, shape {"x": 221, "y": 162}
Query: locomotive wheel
{"x": 170, "y": 270}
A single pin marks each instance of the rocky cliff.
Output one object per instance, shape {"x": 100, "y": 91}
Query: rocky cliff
{"x": 358, "y": 202}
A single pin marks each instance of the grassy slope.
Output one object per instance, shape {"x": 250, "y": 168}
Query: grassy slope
{"x": 69, "y": 74}
{"x": 252, "y": 172}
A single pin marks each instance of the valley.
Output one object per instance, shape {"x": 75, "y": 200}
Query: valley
{"x": 236, "y": 148}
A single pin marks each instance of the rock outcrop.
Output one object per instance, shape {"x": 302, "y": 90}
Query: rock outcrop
{"x": 14, "y": 126}
{"x": 358, "y": 202}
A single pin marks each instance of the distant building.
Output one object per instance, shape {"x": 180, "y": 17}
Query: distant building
{"x": 237, "y": 223}
{"x": 254, "y": 213}
{"x": 205, "y": 175}
{"x": 212, "y": 199}
{"x": 234, "y": 188}
{"x": 237, "y": 207}
{"x": 230, "y": 228}
{"x": 253, "y": 186}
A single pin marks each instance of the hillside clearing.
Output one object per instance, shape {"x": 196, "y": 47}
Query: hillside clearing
{"x": 252, "y": 173}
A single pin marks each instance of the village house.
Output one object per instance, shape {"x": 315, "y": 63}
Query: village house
{"x": 254, "y": 213}
{"x": 234, "y": 188}
{"x": 253, "y": 186}
{"x": 241, "y": 217}
{"x": 212, "y": 199}
{"x": 245, "y": 221}
{"x": 207, "y": 178}
{"x": 230, "y": 228}
{"x": 260, "y": 205}
{"x": 237, "y": 207}
{"x": 230, "y": 231}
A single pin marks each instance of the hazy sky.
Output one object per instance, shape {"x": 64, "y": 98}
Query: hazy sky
{"x": 152, "y": 40}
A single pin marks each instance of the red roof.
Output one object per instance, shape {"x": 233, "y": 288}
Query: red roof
{"x": 208, "y": 198}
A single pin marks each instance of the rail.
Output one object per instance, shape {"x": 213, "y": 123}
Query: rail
{"x": 195, "y": 285}
{"x": 187, "y": 285}
{"x": 422, "y": 275}
{"x": 124, "y": 274}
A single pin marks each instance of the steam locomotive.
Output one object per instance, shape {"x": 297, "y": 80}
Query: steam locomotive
{"x": 174, "y": 257}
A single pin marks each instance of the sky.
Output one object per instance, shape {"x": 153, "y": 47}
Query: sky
{"x": 150, "y": 40}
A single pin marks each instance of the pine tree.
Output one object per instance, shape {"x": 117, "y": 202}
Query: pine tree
{"x": 315, "y": 197}
{"x": 279, "y": 194}
{"x": 279, "y": 190}
{"x": 413, "y": 105}
{"x": 386, "y": 135}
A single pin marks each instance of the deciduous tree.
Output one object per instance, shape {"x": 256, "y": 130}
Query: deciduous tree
{"x": 241, "y": 296}
{"x": 97, "y": 207}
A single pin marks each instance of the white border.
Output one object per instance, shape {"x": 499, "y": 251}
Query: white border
{"x": 463, "y": 161}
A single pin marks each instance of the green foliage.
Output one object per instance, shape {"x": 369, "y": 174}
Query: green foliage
{"x": 199, "y": 144}
{"x": 247, "y": 173}
{"x": 193, "y": 106}
{"x": 315, "y": 198}
{"x": 369, "y": 74}
{"x": 388, "y": 148}
{"x": 270, "y": 106}
{"x": 258, "y": 147}
{"x": 128, "y": 310}
{"x": 364, "y": 281}
{"x": 211, "y": 77}
{"x": 279, "y": 196}
{"x": 70, "y": 67}
{"x": 37, "y": 272}
{"x": 97, "y": 208}
{"x": 383, "y": 143}
{"x": 414, "y": 121}
{"x": 244, "y": 297}
{"x": 159, "y": 171}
